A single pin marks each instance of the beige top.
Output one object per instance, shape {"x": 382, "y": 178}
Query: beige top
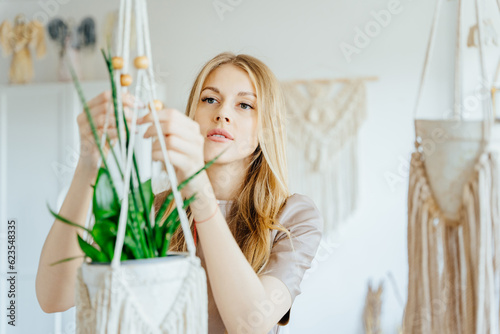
{"x": 302, "y": 218}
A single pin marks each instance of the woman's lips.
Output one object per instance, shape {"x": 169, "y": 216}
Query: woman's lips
{"x": 218, "y": 139}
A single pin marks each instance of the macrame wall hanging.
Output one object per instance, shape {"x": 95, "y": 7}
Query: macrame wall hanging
{"x": 155, "y": 295}
{"x": 453, "y": 211}
{"x": 323, "y": 119}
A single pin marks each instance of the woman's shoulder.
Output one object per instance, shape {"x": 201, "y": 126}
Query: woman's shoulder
{"x": 300, "y": 210}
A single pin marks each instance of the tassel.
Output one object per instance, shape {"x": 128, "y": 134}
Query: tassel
{"x": 461, "y": 297}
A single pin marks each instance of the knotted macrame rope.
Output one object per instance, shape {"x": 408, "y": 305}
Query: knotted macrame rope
{"x": 323, "y": 120}
{"x": 115, "y": 308}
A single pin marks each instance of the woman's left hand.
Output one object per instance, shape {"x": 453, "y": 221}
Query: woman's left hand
{"x": 184, "y": 142}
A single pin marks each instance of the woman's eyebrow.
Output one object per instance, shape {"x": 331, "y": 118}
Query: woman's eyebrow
{"x": 239, "y": 94}
{"x": 247, "y": 93}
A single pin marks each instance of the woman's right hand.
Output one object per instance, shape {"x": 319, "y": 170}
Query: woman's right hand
{"x": 98, "y": 106}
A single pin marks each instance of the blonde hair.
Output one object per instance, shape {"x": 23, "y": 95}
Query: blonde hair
{"x": 264, "y": 190}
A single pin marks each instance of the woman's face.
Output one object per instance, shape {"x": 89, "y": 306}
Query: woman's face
{"x": 228, "y": 102}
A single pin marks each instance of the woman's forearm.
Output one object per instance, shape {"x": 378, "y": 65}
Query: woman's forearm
{"x": 237, "y": 289}
{"x": 55, "y": 284}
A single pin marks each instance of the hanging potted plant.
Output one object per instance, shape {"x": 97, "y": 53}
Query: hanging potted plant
{"x": 129, "y": 282}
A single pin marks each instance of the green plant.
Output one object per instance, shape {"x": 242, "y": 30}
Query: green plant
{"x": 143, "y": 238}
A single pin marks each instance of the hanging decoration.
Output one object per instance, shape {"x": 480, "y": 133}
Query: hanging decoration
{"x": 15, "y": 40}
{"x": 71, "y": 38}
{"x": 453, "y": 212}
{"x": 323, "y": 120}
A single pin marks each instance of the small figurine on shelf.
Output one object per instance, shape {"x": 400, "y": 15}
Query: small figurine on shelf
{"x": 71, "y": 39}
{"x": 16, "y": 40}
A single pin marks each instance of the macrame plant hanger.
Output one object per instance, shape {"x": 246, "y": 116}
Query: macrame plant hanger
{"x": 162, "y": 295}
{"x": 453, "y": 213}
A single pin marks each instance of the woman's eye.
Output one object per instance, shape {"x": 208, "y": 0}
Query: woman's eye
{"x": 244, "y": 106}
{"x": 208, "y": 99}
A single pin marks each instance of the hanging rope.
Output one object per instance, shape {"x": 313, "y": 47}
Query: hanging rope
{"x": 107, "y": 299}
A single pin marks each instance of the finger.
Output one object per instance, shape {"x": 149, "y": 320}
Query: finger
{"x": 168, "y": 114}
{"x": 112, "y": 133}
{"x": 170, "y": 127}
{"x": 105, "y": 106}
{"x": 131, "y": 100}
{"x": 107, "y": 97}
{"x": 86, "y": 129}
{"x": 99, "y": 124}
{"x": 95, "y": 111}
{"x": 167, "y": 128}
{"x": 100, "y": 99}
{"x": 177, "y": 159}
{"x": 177, "y": 144}
{"x": 99, "y": 115}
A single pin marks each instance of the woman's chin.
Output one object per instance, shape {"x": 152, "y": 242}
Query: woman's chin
{"x": 212, "y": 151}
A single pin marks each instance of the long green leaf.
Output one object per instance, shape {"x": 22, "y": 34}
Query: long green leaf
{"x": 104, "y": 234}
{"x": 117, "y": 163}
{"x": 109, "y": 65}
{"x": 66, "y": 221}
{"x": 90, "y": 251}
{"x": 171, "y": 225}
{"x": 142, "y": 196}
{"x": 105, "y": 204}
{"x": 91, "y": 122}
{"x": 66, "y": 260}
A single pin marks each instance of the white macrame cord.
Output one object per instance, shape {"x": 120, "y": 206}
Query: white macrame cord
{"x": 111, "y": 302}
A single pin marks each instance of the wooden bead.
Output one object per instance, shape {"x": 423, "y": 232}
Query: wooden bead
{"x": 117, "y": 63}
{"x": 141, "y": 62}
{"x": 126, "y": 80}
{"x": 158, "y": 105}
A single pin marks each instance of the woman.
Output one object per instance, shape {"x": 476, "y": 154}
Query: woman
{"x": 254, "y": 240}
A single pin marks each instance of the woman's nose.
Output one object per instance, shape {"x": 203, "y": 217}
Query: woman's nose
{"x": 222, "y": 117}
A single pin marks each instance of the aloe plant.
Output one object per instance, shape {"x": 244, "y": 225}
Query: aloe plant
{"x": 143, "y": 238}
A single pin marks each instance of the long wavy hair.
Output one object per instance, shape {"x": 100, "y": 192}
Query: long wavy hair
{"x": 264, "y": 190}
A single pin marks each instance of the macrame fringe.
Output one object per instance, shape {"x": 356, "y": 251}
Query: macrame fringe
{"x": 453, "y": 265}
{"x": 115, "y": 309}
{"x": 190, "y": 315}
{"x": 322, "y": 136}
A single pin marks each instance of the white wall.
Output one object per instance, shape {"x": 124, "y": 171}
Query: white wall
{"x": 301, "y": 39}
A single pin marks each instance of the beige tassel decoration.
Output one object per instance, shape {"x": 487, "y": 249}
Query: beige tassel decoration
{"x": 373, "y": 310}
{"x": 453, "y": 210}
